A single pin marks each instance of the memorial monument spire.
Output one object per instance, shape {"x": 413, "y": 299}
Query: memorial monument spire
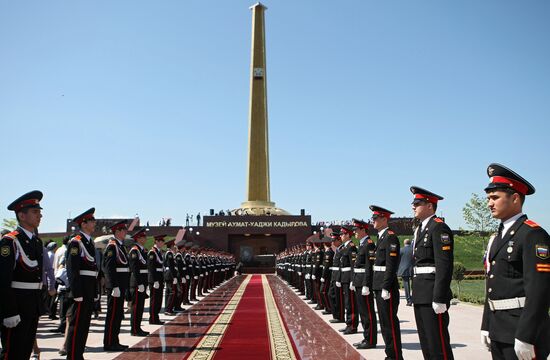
{"x": 258, "y": 193}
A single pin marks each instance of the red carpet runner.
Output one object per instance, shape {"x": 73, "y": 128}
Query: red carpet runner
{"x": 247, "y": 337}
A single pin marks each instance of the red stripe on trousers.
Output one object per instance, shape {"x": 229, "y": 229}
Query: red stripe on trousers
{"x": 370, "y": 319}
{"x": 135, "y": 312}
{"x": 441, "y": 336}
{"x": 8, "y": 344}
{"x": 153, "y": 295}
{"x": 341, "y": 304}
{"x": 352, "y": 300}
{"x": 393, "y": 329}
{"x": 111, "y": 321}
{"x": 75, "y": 327}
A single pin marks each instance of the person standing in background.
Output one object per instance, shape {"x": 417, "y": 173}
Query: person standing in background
{"x": 406, "y": 261}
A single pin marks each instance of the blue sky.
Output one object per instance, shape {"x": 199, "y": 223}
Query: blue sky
{"x": 142, "y": 106}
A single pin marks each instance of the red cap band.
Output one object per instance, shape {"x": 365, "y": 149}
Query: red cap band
{"x": 25, "y": 203}
{"x": 382, "y": 213}
{"x": 514, "y": 184}
{"x": 428, "y": 198}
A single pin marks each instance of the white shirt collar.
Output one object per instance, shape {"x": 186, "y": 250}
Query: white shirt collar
{"x": 508, "y": 223}
{"x": 139, "y": 246}
{"x": 88, "y": 237}
{"x": 347, "y": 242}
{"x": 118, "y": 241}
{"x": 426, "y": 221}
{"x": 27, "y": 232}
{"x": 381, "y": 232}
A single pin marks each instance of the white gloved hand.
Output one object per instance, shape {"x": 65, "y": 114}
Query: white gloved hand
{"x": 12, "y": 321}
{"x": 338, "y": 284}
{"x": 524, "y": 351}
{"x": 485, "y": 340}
{"x": 439, "y": 308}
{"x": 313, "y": 277}
{"x": 156, "y": 285}
{"x": 183, "y": 281}
{"x": 351, "y": 287}
{"x": 97, "y": 297}
{"x": 115, "y": 292}
{"x": 206, "y": 273}
{"x": 141, "y": 288}
{"x": 196, "y": 277}
{"x": 187, "y": 277}
{"x": 322, "y": 279}
{"x": 365, "y": 290}
{"x": 78, "y": 299}
{"x": 385, "y": 294}
{"x": 175, "y": 281}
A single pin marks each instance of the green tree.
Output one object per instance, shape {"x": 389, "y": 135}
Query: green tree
{"x": 9, "y": 224}
{"x": 458, "y": 274}
{"x": 477, "y": 214}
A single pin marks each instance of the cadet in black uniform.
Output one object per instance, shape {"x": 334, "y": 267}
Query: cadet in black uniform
{"x": 170, "y": 278}
{"x": 326, "y": 278}
{"x": 155, "y": 268}
{"x": 347, "y": 262}
{"x": 515, "y": 318}
{"x": 82, "y": 272}
{"x": 433, "y": 269}
{"x": 117, "y": 279}
{"x": 21, "y": 279}
{"x": 138, "y": 281}
{"x": 385, "y": 284}
{"x": 335, "y": 290}
{"x": 362, "y": 281}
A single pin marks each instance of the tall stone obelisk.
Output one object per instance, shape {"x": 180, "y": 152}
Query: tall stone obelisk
{"x": 258, "y": 195}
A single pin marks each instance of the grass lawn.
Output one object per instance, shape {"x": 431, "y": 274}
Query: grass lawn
{"x": 470, "y": 290}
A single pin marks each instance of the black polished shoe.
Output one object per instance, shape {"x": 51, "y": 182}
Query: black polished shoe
{"x": 365, "y": 346}
{"x": 350, "y": 331}
{"x": 311, "y": 302}
{"x": 344, "y": 329}
{"x": 169, "y": 313}
{"x": 326, "y": 312}
{"x": 409, "y": 304}
{"x": 140, "y": 333}
{"x": 116, "y": 347}
{"x": 318, "y": 307}
{"x": 56, "y": 330}
{"x": 360, "y": 343}
{"x": 335, "y": 321}
{"x": 156, "y": 322}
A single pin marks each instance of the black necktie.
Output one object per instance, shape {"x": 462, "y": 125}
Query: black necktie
{"x": 500, "y": 230}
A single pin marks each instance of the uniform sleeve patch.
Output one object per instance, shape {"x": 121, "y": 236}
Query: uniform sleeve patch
{"x": 74, "y": 250}
{"x": 446, "y": 248}
{"x": 109, "y": 253}
{"x": 543, "y": 267}
{"x": 438, "y": 220}
{"x": 151, "y": 256}
{"x": 393, "y": 254}
{"x": 542, "y": 251}
{"x": 393, "y": 247}
{"x": 134, "y": 255}
{"x": 445, "y": 238}
{"x": 5, "y": 251}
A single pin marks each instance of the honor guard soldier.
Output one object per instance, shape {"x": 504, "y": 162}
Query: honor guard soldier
{"x": 117, "y": 279}
{"x": 515, "y": 317}
{"x": 82, "y": 273}
{"x": 316, "y": 271}
{"x": 21, "y": 278}
{"x": 170, "y": 278}
{"x": 138, "y": 281}
{"x": 347, "y": 261}
{"x": 326, "y": 276}
{"x": 181, "y": 268}
{"x": 155, "y": 266}
{"x": 433, "y": 269}
{"x": 337, "y": 294}
{"x": 307, "y": 273}
{"x": 385, "y": 284}
{"x": 362, "y": 282}
{"x": 194, "y": 271}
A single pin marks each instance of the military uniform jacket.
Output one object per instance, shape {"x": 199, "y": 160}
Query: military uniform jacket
{"x": 433, "y": 248}
{"x": 138, "y": 266}
{"x": 308, "y": 262}
{"x": 336, "y": 274}
{"x": 327, "y": 263}
{"x": 363, "y": 264}
{"x": 519, "y": 266}
{"x": 20, "y": 261}
{"x": 155, "y": 266}
{"x": 115, "y": 266}
{"x": 81, "y": 267}
{"x": 182, "y": 267}
{"x": 347, "y": 262}
{"x": 317, "y": 269}
{"x": 387, "y": 255}
{"x": 170, "y": 270}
